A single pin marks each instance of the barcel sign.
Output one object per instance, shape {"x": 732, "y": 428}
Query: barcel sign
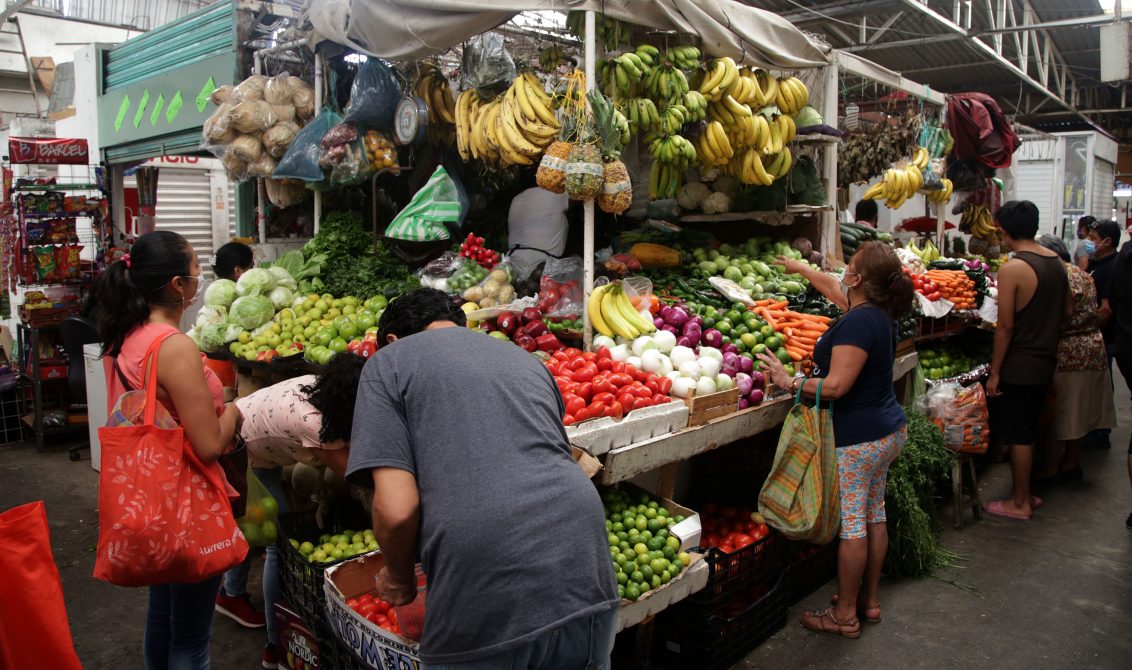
{"x": 33, "y": 150}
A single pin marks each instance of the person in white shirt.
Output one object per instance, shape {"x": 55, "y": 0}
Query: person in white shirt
{"x": 536, "y": 229}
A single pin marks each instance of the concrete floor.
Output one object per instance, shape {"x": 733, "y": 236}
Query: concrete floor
{"x": 1054, "y": 592}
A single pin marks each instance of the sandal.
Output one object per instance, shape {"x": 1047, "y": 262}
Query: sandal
{"x": 824, "y": 622}
{"x": 866, "y": 614}
{"x": 998, "y": 509}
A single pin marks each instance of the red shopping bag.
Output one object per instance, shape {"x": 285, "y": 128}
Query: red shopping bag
{"x": 164, "y": 515}
{"x": 34, "y": 632}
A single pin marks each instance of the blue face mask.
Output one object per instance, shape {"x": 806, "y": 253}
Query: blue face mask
{"x": 1090, "y": 247}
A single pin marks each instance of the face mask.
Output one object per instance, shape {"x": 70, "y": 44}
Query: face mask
{"x": 1090, "y": 247}
{"x": 196, "y": 296}
{"x": 844, "y": 287}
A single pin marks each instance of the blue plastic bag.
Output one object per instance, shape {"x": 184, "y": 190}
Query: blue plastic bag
{"x": 302, "y": 158}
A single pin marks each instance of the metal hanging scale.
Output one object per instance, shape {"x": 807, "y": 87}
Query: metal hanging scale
{"x": 410, "y": 121}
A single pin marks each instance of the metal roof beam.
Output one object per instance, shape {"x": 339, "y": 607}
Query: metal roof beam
{"x": 1080, "y": 21}
{"x": 832, "y": 10}
{"x": 913, "y": 42}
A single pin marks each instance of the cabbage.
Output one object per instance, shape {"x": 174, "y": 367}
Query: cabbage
{"x": 210, "y": 314}
{"x": 251, "y": 311}
{"x": 220, "y": 293}
{"x": 256, "y": 281}
{"x": 726, "y": 184}
{"x": 283, "y": 278}
{"x": 281, "y": 297}
{"x": 214, "y": 336}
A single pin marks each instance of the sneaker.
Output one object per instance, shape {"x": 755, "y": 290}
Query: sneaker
{"x": 240, "y": 610}
{"x": 269, "y": 660}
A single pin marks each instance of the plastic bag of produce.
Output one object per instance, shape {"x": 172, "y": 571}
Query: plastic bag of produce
{"x": 235, "y": 167}
{"x": 252, "y": 116}
{"x": 301, "y": 161}
{"x": 354, "y": 166}
{"x": 560, "y": 287}
{"x": 222, "y": 95}
{"x": 551, "y": 173}
{"x": 285, "y": 114}
{"x": 374, "y": 96}
{"x": 495, "y": 290}
{"x": 277, "y": 90}
{"x": 259, "y": 523}
{"x": 639, "y": 290}
{"x": 285, "y": 193}
{"x": 217, "y": 129}
{"x": 424, "y": 218}
{"x": 616, "y": 190}
{"x": 250, "y": 89}
{"x": 279, "y": 137}
{"x": 961, "y": 413}
{"x": 486, "y": 66}
{"x": 264, "y": 166}
{"x": 380, "y": 152}
{"x": 437, "y": 272}
{"x": 466, "y": 275}
{"x": 247, "y": 148}
{"x": 584, "y": 172}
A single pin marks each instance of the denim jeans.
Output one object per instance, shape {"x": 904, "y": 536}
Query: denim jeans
{"x": 582, "y": 644}
{"x": 178, "y": 625}
{"x": 236, "y": 579}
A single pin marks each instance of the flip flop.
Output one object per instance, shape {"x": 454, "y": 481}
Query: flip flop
{"x": 1036, "y": 502}
{"x": 996, "y": 508}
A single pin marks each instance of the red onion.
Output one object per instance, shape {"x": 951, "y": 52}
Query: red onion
{"x": 658, "y": 322}
{"x": 746, "y": 364}
{"x": 759, "y": 379}
{"x": 677, "y": 317}
{"x": 744, "y": 403}
{"x": 745, "y": 384}
{"x": 756, "y": 397}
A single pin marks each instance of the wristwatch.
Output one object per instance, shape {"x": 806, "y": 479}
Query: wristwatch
{"x": 794, "y": 384}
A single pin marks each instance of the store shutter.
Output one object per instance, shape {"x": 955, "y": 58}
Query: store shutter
{"x": 184, "y": 206}
{"x": 1033, "y": 179}
{"x": 1104, "y": 175}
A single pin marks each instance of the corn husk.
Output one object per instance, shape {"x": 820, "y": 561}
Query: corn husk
{"x": 279, "y": 137}
{"x": 250, "y": 89}
{"x": 247, "y": 148}
{"x": 551, "y": 173}
{"x": 617, "y": 190}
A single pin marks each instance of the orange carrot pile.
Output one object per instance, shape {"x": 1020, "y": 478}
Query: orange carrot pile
{"x": 800, "y": 332}
{"x": 954, "y": 285}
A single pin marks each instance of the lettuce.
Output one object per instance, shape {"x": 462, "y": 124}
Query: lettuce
{"x": 214, "y": 336}
{"x": 256, "y": 281}
{"x": 251, "y": 311}
{"x": 220, "y": 293}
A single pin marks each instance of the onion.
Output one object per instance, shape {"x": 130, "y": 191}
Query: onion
{"x": 620, "y": 352}
{"x": 658, "y": 322}
{"x": 643, "y": 344}
{"x": 730, "y": 348}
{"x": 691, "y": 327}
{"x": 690, "y": 369}
{"x": 698, "y": 320}
{"x": 603, "y": 341}
{"x": 664, "y": 312}
{"x": 695, "y": 337}
{"x": 650, "y": 361}
{"x": 683, "y": 387}
{"x": 672, "y": 374}
{"x": 746, "y": 364}
{"x": 665, "y": 340}
{"x": 759, "y": 379}
{"x": 684, "y": 341}
{"x": 723, "y": 382}
{"x": 745, "y": 384}
{"x": 730, "y": 357}
{"x": 677, "y": 317}
{"x": 635, "y": 361}
{"x": 681, "y": 354}
{"x": 709, "y": 366}
{"x": 713, "y": 338}
{"x": 756, "y": 397}
{"x": 711, "y": 352}
{"x": 729, "y": 370}
{"x": 744, "y": 403}
{"x": 705, "y": 386}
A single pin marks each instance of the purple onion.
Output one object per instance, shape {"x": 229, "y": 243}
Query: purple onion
{"x": 689, "y": 327}
{"x": 677, "y": 317}
{"x": 698, "y": 320}
{"x": 713, "y": 338}
{"x": 729, "y": 370}
{"x": 658, "y": 322}
{"x": 746, "y": 365}
{"x": 744, "y": 403}
{"x": 745, "y": 384}
{"x": 758, "y": 378}
{"x": 694, "y": 337}
{"x": 730, "y": 348}
{"x": 671, "y": 329}
{"x": 756, "y": 397}
{"x": 684, "y": 341}
{"x": 664, "y": 312}
{"x": 729, "y": 357}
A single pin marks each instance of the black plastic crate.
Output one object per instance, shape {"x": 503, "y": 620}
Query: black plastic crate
{"x": 332, "y": 653}
{"x": 302, "y": 580}
{"x": 692, "y": 635}
{"x": 738, "y": 579}
{"x": 811, "y": 566}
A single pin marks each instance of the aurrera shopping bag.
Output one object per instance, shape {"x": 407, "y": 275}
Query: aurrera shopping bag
{"x": 164, "y": 515}
{"x": 34, "y": 632}
{"x": 801, "y": 496}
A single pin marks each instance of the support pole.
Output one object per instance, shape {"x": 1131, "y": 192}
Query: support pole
{"x": 588, "y": 246}
{"x": 829, "y": 237}
{"x": 317, "y": 109}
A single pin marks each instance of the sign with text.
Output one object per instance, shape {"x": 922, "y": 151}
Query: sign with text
{"x": 44, "y": 151}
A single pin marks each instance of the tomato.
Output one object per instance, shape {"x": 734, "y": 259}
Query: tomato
{"x": 603, "y": 397}
{"x": 574, "y": 404}
{"x": 638, "y": 375}
{"x": 665, "y": 385}
{"x": 659, "y": 399}
{"x": 366, "y": 598}
{"x": 620, "y": 379}
{"x": 597, "y": 409}
{"x": 577, "y": 364}
{"x": 761, "y": 531}
{"x": 618, "y": 367}
{"x": 569, "y": 420}
{"x": 562, "y": 382}
{"x": 581, "y": 415}
{"x": 625, "y": 397}
{"x": 604, "y": 364}
{"x": 584, "y": 391}
{"x": 726, "y": 548}
{"x": 367, "y": 609}
{"x": 642, "y": 392}
{"x": 561, "y": 355}
{"x": 583, "y": 374}
{"x": 742, "y": 540}
{"x": 616, "y": 410}
{"x": 602, "y": 384}
{"x": 652, "y": 386}
{"x": 352, "y": 603}
{"x": 603, "y": 354}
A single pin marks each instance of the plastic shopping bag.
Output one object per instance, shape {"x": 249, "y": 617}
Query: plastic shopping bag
{"x": 961, "y": 413}
{"x": 424, "y": 218}
{"x": 34, "y": 632}
{"x": 486, "y": 66}
{"x": 801, "y": 496}
{"x": 301, "y": 161}
{"x": 374, "y": 96}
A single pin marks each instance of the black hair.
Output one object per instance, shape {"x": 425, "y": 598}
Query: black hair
{"x": 333, "y": 395}
{"x": 883, "y": 280}
{"x": 1087, "y": 222}
{"x": 125, "y": 293}
{"x": 231, "y": 256}
{"x": 1108, "y": 229}
{"x": 1019, "y": 218}
{"x": 866, "y": 210}
{"x": 414, "y": 311}
{"x": 1056, "y": 245}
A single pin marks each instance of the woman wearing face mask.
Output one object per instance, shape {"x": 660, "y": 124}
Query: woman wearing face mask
{"x": 1080, "y": 252}
{"x": 853, "y": 362}
{"x": 140, "y": 300}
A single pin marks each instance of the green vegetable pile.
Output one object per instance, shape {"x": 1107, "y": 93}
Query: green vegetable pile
{"x": 350, "y": 266}
{"x": 910, "y": 502}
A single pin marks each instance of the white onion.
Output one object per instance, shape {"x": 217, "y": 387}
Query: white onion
{"x": 665, "y": 341}
{"x": 635, "y": 361}
{"x": 709, "y": 367}
{"x": 683, "y": 387}
{"x": 690, "y": 369}
{"x": 681, "y": 355}
{"x": 673, "y": 375}
{"x": 620, "y": 352}
{"x": 651, "y": 361}
{"x": 666, "y": 365}
{"x": 643, "y": 344}
{"x": 705, "y": 386}
{"x": 711, "y": 352}
{"x": 723, "y": 382}
{"x": 603, "y": 341}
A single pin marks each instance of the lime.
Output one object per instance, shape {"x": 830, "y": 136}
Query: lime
{"x": 665, "y": 577}
{"x": 647, "y": 572}
{"x": 783, "y": 356}
{"x": 673, "y": 542}
{"x": 656, "y": 581}
{"x": 637, "y": 576}
{"x": 640, "y": 548}
{"x": 685, "y": 558}
{"x": 643, "y": 559}
{"x": 632, "y": 592}
{"x": 622, "y": 578}
{"x": 650, "y": 513}
{"x": 620, "y": 591}
{"x": 658, "y": 565}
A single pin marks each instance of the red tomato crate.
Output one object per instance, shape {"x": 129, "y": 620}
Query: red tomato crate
{"x": 690, "y": 636}
{"x": 812, "y": 565}
{"x": 736, "y": 576}
{"x": 300, "y": 579}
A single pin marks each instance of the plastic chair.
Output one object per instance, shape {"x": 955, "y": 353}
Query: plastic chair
{"x": 77, "y": 332}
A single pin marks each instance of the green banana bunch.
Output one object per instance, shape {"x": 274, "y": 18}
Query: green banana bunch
{"x": 674, "y": 150}
{"x": 642, "y": 114}
{"x": 697, "y": 106}
{"x": 550, "y": 58}
{"x": 684, "y": 58}
{"x": 610, "y": 32}
{"x": 628, "y": 69}
{"x": 666, "y": 83}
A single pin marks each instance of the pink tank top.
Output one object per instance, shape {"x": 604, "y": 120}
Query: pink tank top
{"x": 131, "y": 362}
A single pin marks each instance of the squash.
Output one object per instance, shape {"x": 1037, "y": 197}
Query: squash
{"x": 655, "y": 255}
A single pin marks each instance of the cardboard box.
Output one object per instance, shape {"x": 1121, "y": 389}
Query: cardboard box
{"x": 688, "y": 530}
{"x": 374, "y": 647}
{"x": 690, "y": 580}
{"x": 298, "y": 646}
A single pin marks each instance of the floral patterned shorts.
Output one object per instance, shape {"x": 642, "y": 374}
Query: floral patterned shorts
{"x": 862, "y": 471}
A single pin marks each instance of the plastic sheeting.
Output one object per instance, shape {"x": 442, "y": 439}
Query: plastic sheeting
{"x": 414, "y": 29}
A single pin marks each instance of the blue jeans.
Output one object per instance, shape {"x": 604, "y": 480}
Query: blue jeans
{"x": 584, "y": 643}
{"x": 178, "y": 625}
{"x": 236, "y": 579}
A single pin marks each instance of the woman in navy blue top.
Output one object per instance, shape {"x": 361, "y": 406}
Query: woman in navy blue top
{"x": 853, "y": 362}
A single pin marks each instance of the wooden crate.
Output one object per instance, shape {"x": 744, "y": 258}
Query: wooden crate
{"x": 704, "y": 408}
{"x": 52, "y": 316}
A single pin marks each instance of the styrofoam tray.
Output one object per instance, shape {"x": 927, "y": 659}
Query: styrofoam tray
{"x": 598, "y": 436}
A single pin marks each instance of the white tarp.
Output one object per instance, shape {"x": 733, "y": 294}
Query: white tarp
{"x": 414, "y": 29}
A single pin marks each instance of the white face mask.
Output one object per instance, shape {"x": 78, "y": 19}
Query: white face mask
{"x": 196, "y": 296}
{"x": 844, "y": 287}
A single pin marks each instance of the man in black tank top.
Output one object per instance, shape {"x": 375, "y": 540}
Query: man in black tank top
{"x": 1033, "y": 301}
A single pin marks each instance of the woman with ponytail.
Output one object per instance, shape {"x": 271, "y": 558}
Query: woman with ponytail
{"x": 853, "y": 362}
{"x": 139, "y": 302}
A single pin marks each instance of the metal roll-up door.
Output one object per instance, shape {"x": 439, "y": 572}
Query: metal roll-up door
{"x": 1104, "y": 178}
{"x": 184, "y": 205}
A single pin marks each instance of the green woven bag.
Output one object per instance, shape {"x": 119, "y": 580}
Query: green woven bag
{"x": 801, "y": 496}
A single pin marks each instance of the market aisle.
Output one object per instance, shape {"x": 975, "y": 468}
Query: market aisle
{"x": 1054, "y": 592}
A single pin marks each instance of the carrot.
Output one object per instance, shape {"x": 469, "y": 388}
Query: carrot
{"x": 799, "y": 339}
{"x": 764, "y": 302}
{"x": 771, "y": 321}
{"x": 812, "y": 334}
{"x": 779, "y": 305}
{"x": 654, "y": 304}
{"x": 795, "y": 354}
{"x": 817, "y": 317}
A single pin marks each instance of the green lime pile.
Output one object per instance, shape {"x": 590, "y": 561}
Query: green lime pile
{"x": 645, "y": 556}
{"x": 945, "y": 361}
{"x": 330, "y": 548}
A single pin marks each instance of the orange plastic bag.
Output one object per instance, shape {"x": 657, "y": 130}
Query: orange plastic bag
{"x": 164, "y": 515}
{"x": 34, "y": 632}
{"x": 961, "y": 413}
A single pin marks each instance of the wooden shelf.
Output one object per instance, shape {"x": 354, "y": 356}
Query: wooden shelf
{"x": 816, "y": 138}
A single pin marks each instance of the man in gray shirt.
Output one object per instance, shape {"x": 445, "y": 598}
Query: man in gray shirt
{"x": 461, "y": 436}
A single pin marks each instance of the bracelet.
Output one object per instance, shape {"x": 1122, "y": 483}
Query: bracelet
{"x": 794, "y": 384}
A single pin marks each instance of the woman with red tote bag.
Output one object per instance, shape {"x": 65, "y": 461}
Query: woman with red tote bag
{"x": 181, "y": 527}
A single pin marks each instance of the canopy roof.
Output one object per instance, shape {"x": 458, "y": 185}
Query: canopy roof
{"x": 413, "y": 29}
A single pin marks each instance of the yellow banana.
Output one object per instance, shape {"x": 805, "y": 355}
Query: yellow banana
{"x": 613, "y": 317}
{"x": 593, "y": 308}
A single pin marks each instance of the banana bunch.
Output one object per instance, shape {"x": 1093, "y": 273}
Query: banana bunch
{"x": 751, "y": 168}
{"x": 613, "y": 315}
{"x": 550, "y": 58}
{"x": 927, "y": 253}
{"x": 898, "y": 185}
{"x": 513, "y": 129}
{"x": 611, "y": 32}
{"x": 942, "y": 195}
{"x": 666, "y": 83}
{"x": 684, "y": 58}
{"x": 978, "y": 221}
{"x": 664, "y": 181}
{"x": 621, "y": 122}
{"x": 643, "y": 115}
{"x": 625, "y": 71}
{"x": 721, "y": 77}
{"x": 696, "y": 104}
{"x": 792, "y": 95}
{"x": 433, "y": 88}
{"x": 749, "y": 90}
{"x": 673, "y": 118}
{"x": 675, "y": 150}
{"x": 714, "y": 147}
